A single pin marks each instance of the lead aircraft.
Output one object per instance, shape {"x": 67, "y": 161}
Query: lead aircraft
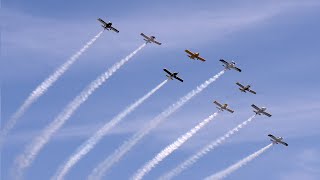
{"x": 107, "y": 26}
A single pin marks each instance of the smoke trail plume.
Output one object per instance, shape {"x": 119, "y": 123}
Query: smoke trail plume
{"x": 93, "y": 140}
{"x": 102, "y": 168}
{"x": 24, "y": 160}
{"x": 42, "y": 88}
{"x": 193, "y": 159}
{"x": 171, "y": 148}
{"x": 239, "y": 164}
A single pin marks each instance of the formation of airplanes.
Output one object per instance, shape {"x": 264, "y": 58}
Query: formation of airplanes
{"x": 227, "y": 65}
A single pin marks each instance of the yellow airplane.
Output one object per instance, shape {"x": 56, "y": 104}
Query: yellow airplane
{"x": 192, "y": 55}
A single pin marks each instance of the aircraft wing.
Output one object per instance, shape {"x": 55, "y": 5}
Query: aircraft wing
{"x": 143, "y": 35}
{"x": 102, "y": 21}
{"x": 165, "y": 70}
{"x": 157, "y": 42}
{"x": 240, "y": 84}
{"x": 189, "y": 52}
{"x": 284, "y": 143}
{"x": 253, "y": 92}
{"x": 254, "y": 106}
{"x": 218, "y": 104}
{"x": 179, "y": 79}
{"x": 114, "y": 29}
{"x": 273, "y": 137}
{"x": 237, "y": 69}
{"x": 230, "y": 110}
{"x": 224, "y": 62}
{"x": 267, "y": 114}
{"x": 201, "y": 58}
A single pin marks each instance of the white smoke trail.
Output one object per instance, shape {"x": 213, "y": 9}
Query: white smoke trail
{"x": 171, "y": 148}
{"x": 102, "y": 168}
{"x": 24, "y": 160}
{"x": 239, "y": 164}
{"x": 42, "y": 88}
{"x": 93, "y": 140}
{"x": 193, "y": 159}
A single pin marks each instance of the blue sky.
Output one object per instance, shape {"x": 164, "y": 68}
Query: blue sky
{"x": 275, "y": 43}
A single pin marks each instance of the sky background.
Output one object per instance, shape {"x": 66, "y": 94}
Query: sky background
{"x": 275, "y": 43}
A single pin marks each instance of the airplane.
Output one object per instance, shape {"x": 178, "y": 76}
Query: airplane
{"x": 223, "y": 107}
{"x": 108, "y": 26}
{"x": 192, "y": 55}
{"x": 150, "y": 39}
{"x": 260, "y": 111}
{"x": 172, "y": 75}
{"x": 229, "y": 66}
{"x": 277, "y": 140}
{"x": 245, "y": 88}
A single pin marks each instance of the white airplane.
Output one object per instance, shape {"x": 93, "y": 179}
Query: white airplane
{"x": 150, "y": 39}
{"x": 172, "y": 75}
{"x": 108, "y": 26}
{"x": 223, "y": 107}
{"x": 277, "y": 140}
{"x": 260, "y": 111}
{"x": 229, "y": 66}
{"x": 245, "y": 88}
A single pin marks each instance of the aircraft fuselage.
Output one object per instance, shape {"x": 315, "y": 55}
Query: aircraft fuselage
{"x": 279, "y": 139}
{"x": 260, "y": 111}
{"x": 150, "y": 40}
{"x": 107, "y": 26}
{"x": 173, "y": 75}
{"x": 245, "y": 88}
{"x": 223, "y": 107}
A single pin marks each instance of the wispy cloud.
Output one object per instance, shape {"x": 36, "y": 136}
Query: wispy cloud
{"x": 305, "y": 165}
